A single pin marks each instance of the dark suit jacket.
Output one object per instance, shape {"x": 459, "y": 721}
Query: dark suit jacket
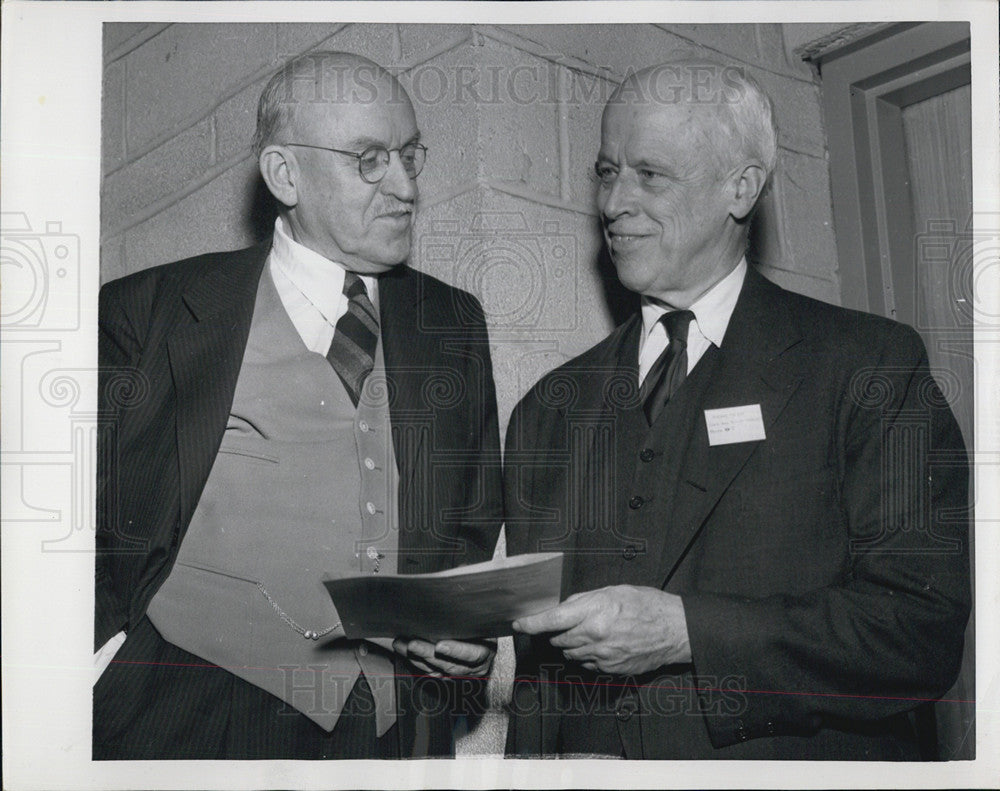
{"x": 823, "y": 570}
{"x": 171, "y": 347}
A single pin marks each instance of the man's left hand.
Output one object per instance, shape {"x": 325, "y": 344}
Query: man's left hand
{"x": 620, "y": 629}
{"x": 448, "y": 657}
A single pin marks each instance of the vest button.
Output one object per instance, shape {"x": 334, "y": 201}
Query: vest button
{"x": 626, "y": 708}
{"x": 630, "y": 552}
{"x": 636, "y": 502}
{"x": 741, "y": 731}
{"x": 369, "y": 464}
{"x": 363, "y": 426}
{"x": 646, "y": 454}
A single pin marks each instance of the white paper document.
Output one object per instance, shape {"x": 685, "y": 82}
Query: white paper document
{"x": 480, "y": 600}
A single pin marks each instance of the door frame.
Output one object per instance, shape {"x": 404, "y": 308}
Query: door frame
{"x": 866, "y": 85}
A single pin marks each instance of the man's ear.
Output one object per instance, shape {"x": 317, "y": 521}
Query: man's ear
{"x": 747, "y": 183}
{"x": 280, "y": 172}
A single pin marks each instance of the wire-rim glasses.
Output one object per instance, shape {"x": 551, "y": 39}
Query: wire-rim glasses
{"x": 373, "y": 162}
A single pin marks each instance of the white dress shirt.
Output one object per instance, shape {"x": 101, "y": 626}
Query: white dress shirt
{"x": 311, "y": 288}
{"x": 712, "y": 311}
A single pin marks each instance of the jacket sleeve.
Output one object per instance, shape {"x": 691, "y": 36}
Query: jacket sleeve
{"x": 485, "y": 490}
{"x": 119, "y": 383}
{"x": 890, "y": 634}
{"x": 525, "y": 732}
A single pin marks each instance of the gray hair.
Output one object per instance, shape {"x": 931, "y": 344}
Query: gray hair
{"x": 752, "y": 121}
{"x": 311, "y": 78}
{"x": 744, "y": 111}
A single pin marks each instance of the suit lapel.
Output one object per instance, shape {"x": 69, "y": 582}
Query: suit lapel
{"x": 410, "y": 355}
{"x": 205, "y": 360}
{"x": 752, "y": 368}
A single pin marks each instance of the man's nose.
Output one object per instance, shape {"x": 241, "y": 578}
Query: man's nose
{"x": 619, "y": 196}
{"x": 397, "y": 181}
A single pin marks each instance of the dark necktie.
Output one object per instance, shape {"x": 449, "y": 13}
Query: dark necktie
{"x": 352, "y": 352}
{"x": 670, "y": 368}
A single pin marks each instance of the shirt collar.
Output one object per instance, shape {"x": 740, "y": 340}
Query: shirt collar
{"x": 320, "y": 280}
{"x": 712, "y": 310}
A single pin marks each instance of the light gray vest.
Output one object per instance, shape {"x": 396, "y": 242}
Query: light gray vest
{"x": 303, "y": 489}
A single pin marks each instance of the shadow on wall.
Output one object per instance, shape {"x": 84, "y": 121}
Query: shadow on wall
{"x": 764, "y": 240}
{"x": 263, "y": 211}
{"x": 621, "y": 302}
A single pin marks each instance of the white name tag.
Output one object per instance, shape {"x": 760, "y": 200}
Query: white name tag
{"x": 734, "y": 424}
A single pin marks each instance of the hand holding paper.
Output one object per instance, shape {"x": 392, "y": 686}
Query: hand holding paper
{"x": 619, "y": 629}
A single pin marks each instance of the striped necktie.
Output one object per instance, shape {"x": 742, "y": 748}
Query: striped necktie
{"x": 352, "y": 352}
{"x": 670, "y": 368}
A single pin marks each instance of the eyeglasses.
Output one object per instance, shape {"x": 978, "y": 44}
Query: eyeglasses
{"x": 373, "y": 162}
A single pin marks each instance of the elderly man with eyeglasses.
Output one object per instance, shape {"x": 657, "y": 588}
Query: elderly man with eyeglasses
{"x": 278, "y": 430}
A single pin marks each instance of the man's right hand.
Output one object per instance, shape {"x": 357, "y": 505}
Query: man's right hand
{"x": 623, "y": 629}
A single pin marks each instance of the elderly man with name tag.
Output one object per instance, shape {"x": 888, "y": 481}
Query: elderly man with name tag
{"x": 306, "y": 409}
{"x": 762, "y": 498}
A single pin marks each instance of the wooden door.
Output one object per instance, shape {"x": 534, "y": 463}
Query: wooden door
{"x": 898, "y": 114}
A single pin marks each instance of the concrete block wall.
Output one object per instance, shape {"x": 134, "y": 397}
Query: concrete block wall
{"x": 511, "y": 116}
